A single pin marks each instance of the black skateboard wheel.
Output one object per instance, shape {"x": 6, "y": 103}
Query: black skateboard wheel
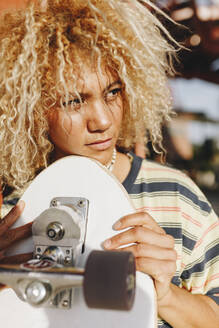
{"x": 109, "y": 280}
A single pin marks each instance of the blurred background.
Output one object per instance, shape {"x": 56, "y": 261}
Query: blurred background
{"x": 192, "y": 138}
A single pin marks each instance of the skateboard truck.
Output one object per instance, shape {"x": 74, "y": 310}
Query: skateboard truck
{"x": 48, "y": 280}
{"x": 59, "y": 232}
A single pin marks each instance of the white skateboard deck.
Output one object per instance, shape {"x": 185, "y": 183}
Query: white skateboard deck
{"x": 75, "y": 176}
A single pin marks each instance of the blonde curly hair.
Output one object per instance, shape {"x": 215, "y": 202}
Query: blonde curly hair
{"x": 41, "y": 39}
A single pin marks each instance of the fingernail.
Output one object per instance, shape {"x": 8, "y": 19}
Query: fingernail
{"x": 107, "y": 243}
{"x": 117, "y": 225}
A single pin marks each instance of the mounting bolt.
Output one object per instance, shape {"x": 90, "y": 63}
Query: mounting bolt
{"x": 65, "y": 303}
{"x": 67, "y": 260}
{"x": 81, "y": 203}
{"x": 54, "y": 203}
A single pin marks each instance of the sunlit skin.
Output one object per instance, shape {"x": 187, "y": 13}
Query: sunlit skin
{"x": 97, "y": 117}
{"x": 89, "y": 126}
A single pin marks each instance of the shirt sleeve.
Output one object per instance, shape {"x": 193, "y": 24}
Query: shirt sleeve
{"x": 8, "y": 203}
{"x": 201, "y": 271}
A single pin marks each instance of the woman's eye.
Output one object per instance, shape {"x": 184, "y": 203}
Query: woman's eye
{"x": 112, "y": 94}
{"x": 73, "y": 103}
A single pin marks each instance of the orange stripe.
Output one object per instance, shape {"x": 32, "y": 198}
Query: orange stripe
{"x": 169, "y": 209}
{"x": 189, "y": 218}
{"x": 160, "y": 208}
{"x": 213, "y": 277}
{"x": 183, "y": 265}
{"x": 214, "y": 225}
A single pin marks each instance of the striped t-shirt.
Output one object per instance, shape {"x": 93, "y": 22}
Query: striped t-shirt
{"x": 181, "y": 209}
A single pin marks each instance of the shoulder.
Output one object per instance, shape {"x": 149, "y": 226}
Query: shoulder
{"x": 172, "y": 198}
{"x": 156, "y": 172}
{"x": 170, "y": 182}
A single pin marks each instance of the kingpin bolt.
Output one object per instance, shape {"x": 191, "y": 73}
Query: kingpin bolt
{"x": 36, "y": 292}
{"x": 55, "y": 231}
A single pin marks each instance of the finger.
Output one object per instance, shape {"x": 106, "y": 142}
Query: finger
{"x": 151, "y": 251}
{"x": 139, "y": 235}
{"x": 13, "y": 235}
{"x": 17, "y": 259}
{"x": 142, "y": 218}
{"x": 11, "y": 217}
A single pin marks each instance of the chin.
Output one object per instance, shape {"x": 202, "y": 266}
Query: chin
{"x": 102, "y": 158}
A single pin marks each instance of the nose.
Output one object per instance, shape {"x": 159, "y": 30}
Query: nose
{"x": 99, "y": 117}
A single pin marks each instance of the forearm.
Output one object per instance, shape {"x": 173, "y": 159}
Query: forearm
{"x": 182, "y": 309}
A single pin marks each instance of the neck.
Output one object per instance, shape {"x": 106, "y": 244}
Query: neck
{"x": 122, "y": 166}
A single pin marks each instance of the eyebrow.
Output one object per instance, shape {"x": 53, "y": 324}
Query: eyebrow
{"x": 85, "y": 95}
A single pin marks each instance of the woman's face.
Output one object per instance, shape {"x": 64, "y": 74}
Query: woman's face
{"x": 89, "y": 126}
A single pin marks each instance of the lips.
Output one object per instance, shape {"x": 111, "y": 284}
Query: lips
{"x": 100, "y": 144}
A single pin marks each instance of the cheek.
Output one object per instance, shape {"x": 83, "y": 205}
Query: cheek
{"x": 66, "y": 130}
{"x": 119, "y": 112}
{"x": 60, "y": 124}
{"x": 56, "y": 119}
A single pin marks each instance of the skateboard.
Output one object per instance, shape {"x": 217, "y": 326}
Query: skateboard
{"x": 71, "y": 281}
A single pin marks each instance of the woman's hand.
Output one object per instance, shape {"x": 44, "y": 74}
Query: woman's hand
{"x": 9, "y": 236}
{"x": 152, "y": 247}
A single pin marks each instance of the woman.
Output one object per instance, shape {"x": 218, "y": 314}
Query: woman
{"x": 85, "y": 78}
